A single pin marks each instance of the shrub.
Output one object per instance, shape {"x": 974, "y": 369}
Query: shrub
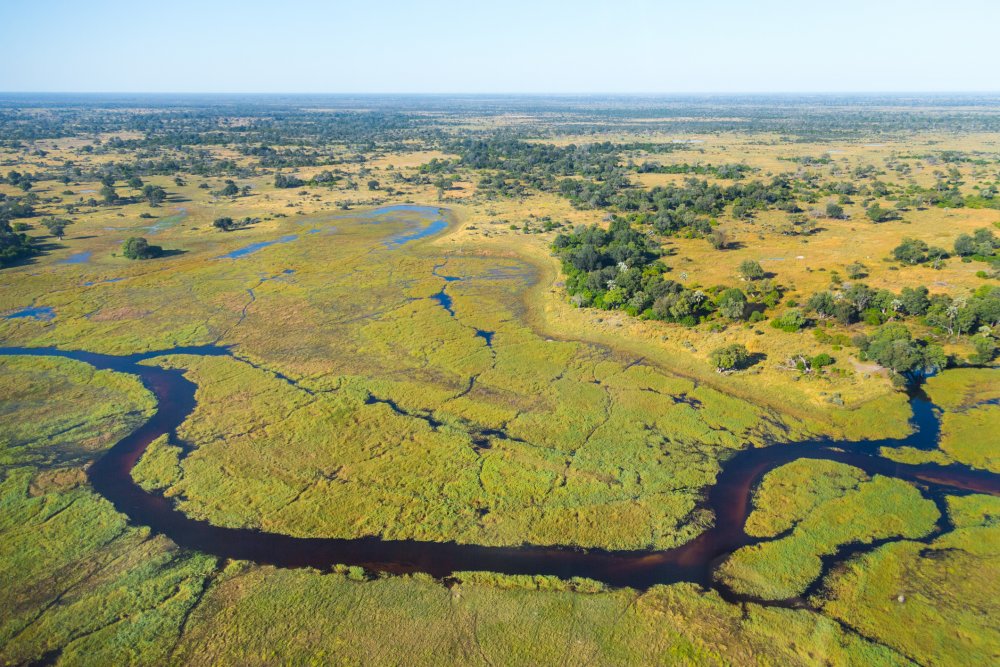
{"x": 792, "y": 321}
{"x": 820, "y": 360}
{"x": 750, "y": 269}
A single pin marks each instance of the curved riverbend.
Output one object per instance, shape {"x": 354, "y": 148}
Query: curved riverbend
{"x": 694, "y": 561}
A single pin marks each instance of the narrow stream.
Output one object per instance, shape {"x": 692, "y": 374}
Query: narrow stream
{"x": 729, "y": 499}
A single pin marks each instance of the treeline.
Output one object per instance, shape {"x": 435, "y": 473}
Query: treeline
{"x": 860, "y": 303}
{"x": 729, "y": 171}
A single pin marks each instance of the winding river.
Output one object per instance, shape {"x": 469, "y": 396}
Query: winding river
{"x": 694, "y": 561}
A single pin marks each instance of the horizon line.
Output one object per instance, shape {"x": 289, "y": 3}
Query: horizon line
{"x": 508, "y": 93}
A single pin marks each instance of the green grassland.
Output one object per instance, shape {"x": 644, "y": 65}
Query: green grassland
{"x": 83, "y": 587}
{"x": 78, "y": 583}
{"x": 928, "y": 599}
{"x": 843, "y": 507}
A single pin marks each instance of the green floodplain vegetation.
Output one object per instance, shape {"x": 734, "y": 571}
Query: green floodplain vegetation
{"x": 448, "y": 388}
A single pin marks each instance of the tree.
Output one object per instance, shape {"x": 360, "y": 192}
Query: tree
{"x": 910, "y": 251}
{"x": 750, "y": 269}
{"x": 730, "y": 357}
{"x": 283, "y": 181}
{"x": 820, "y": 360}
{"x": 835, "y": 211}
{"x": 964, "y": 245}
{"x": 225, "y": 224}
{"x": 154, "y": 194}
{"x": 985, "y": 241}
{"x": 915, "y": 300}
{"x": 732, "y": 304}
{"x": 373, "y": 184}
{"x": 108, "y": 194}
{"x": 876, "y": 213}
{"x": 986, "y": 349}
{"x": 822, "y": 303}
{"x": 137, "y": 247}
{"x": 56, "y": 226}
{"x": 135, "y": 183}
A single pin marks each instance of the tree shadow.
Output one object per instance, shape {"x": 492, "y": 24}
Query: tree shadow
{"x": 172, "y": 252}
{"x": 754, "y": 359}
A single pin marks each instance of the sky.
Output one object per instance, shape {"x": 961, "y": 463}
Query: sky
{"x": 503, "y": 46}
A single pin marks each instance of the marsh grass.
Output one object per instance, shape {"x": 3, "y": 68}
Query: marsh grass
{"x": 809, "y": 520}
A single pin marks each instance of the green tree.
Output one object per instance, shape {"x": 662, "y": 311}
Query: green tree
{"x": 964, "y": 245}
{"x": 730, "y": 357}
{"x": 136, "y": 247}
{"x": 732, "y": 304}
{"x": 910, "y": 251}
{"x": 56, "y": 226}
{"x": 108, "y": 194}
{"x": 986, "y": 349}
{"x": 14, "y": 246}
{"x": 154, "y": 194}
{"x": 225, "y": 224}
{"x": 791, "y": 321}
{"x": 876, "y": 213}
{"x": 835, "y": 211}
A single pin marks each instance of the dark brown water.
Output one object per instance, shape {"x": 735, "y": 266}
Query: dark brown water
{"x": 729, "y": 499}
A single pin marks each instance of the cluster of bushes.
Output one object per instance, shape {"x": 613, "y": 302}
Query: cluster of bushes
{"x": 730, "y": 358}
{"x": 14, "y": 246}
{"x": 19, "y": 180}
{"x": 620, "y": 269}
{"x": 283, "y": 181}
{"x": 692, "y": 205}
{"x": 982, "y": 244}
{"x": 591, "y": 176}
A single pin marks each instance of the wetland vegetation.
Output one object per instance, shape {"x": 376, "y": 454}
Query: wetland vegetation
{"x": 425, "y": 380}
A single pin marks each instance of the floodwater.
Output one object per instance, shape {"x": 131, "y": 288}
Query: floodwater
{"x": 43, "y": 313}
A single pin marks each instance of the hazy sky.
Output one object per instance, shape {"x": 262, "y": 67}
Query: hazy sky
{"x": 445, "y": 46}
